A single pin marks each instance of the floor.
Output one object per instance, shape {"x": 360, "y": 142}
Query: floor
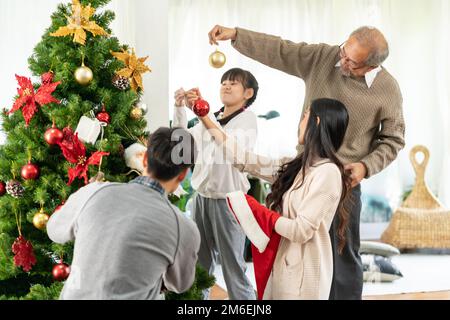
{"x": 217, "y": 293}
{"x": 421, "y": 273}
{"x": 424, "y": 277}
{"x": 440, "y": 295}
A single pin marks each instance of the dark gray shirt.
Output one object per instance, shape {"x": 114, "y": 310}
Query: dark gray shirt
{"x": 128, "y": 239}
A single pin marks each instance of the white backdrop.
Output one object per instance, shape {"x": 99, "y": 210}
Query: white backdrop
{"x": 418, "y": 32}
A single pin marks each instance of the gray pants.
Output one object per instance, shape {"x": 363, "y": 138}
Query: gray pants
{"x": 221, "y": 236}
{"x": 348, "y": 271}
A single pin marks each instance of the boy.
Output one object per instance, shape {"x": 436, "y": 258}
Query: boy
{"x": 130, "y": 241}
{"x": 213, "y": 178}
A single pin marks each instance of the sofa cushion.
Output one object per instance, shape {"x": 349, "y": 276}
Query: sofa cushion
{"x": 379, "y": 269}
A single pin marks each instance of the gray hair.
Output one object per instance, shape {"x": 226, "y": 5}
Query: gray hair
{"x": 374, "y": 40}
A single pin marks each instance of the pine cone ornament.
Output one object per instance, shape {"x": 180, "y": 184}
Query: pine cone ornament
{"x": 15, "y": 189}
{"x": 120, "y": 82}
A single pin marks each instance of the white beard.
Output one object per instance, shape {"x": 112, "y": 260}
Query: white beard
{"x": 345, "y": 73}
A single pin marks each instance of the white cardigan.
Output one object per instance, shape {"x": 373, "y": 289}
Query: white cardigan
{"x": 303, "y": 268}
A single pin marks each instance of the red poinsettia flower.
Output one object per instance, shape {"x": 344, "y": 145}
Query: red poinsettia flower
{"x": 28, "y": 99}
{"x": 75, "y": 152}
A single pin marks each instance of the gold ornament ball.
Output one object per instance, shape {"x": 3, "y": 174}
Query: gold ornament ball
{"x": 217, "y": 59}
{"x": 136, "y": 113}
{"x": 84, "y": 75}
{"x": 40, "y": 220}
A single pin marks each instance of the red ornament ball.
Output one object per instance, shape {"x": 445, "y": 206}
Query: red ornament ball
{"x": 201, "y": 108}
{"x": 59, "y": 207}
{"x": 2, "y": 188}
{"x": 30, "y": 171}
{"x": 47, "y": 78}
{"x": 61, "y": 272}
{"x": 53, "y": 136}
{"x": 104, "y": 117}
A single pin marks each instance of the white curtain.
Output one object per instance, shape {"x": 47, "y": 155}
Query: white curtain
{"x": 418, "y": 32}
{"x": 443, "y": 80}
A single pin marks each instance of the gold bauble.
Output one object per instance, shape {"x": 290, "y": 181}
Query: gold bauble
{"x": 136, "y": 113}
{"x": 40, "y": 220}
{"x": 217, "y": 59}
{"x": 84, "y": 75}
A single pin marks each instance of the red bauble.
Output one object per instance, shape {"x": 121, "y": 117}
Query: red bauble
{"x": 47, "y": 78}
{"x": 30, "y": 171}
{"x": 104, "y": 116}
{"x": 2, "y": 188}
{"x": 53, "y": 135}
{"x": 59, "y": 207}
{"x": 201, "y": 108}
{"x": 61, "y": 272}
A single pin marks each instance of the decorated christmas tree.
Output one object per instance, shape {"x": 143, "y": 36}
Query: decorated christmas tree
{"x": 70, "y": 123}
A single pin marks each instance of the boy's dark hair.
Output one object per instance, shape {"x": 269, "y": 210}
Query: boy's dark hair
{"x": 245, "y": 77}
{"x": 170, "y": 151}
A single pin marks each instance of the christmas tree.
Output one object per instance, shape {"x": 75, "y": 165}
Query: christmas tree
{"x": 70, "y": 125}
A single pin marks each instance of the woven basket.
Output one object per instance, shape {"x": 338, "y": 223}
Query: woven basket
{"x": 421, "y": 221}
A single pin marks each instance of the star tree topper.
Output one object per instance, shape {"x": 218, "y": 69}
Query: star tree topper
{"x": 79, "y": 23}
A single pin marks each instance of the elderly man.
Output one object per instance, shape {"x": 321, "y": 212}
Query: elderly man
{"x": 353, "y": 74}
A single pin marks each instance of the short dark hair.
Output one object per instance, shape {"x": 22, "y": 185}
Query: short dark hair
{"x": 169, "y": 152}
{"x": 245, "y": 77}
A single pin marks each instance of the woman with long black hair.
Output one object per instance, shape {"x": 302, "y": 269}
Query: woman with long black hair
{"x": 306, "y": 193}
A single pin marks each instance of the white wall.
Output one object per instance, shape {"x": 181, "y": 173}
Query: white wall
{"x": 22, "y": 24}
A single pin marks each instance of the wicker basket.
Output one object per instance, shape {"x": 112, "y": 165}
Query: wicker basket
{"x": 421, "y": 221}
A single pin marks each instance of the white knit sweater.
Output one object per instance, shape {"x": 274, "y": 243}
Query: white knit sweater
{"x": 303, "y": 267}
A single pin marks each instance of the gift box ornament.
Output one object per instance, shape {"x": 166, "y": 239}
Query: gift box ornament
{"x": 89, "y": 129}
